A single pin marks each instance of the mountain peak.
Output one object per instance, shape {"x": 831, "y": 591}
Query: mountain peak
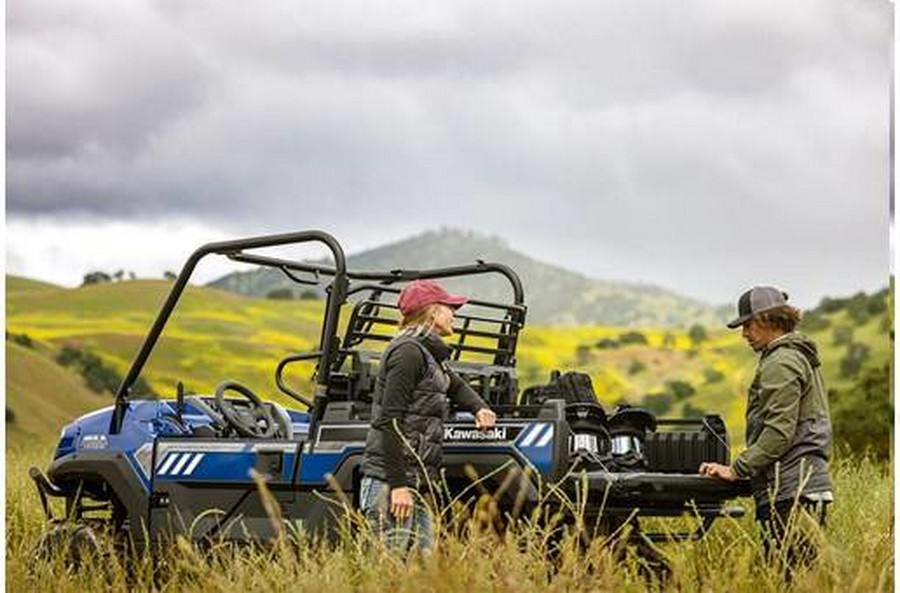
{"x": 554, "y": 295}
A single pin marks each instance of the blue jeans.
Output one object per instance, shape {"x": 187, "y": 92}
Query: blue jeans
{"x": 397, "y": 536}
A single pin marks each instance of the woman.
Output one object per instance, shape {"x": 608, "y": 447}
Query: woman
{"x": 403, "y": 447}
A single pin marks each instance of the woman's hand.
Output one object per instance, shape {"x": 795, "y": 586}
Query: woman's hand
{"x": 401, "y": 502}
{"x": 718, "y": 470}
{"x": 485, "y": 418}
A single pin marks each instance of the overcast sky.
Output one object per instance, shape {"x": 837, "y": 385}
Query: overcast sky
{"x": 700, "y": 146}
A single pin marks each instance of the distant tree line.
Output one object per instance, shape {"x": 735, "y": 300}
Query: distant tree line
{"x": 20, "y": 339}
{"x": 696, "y": 333}
{"x": 863, "y": 415}
{"x": 288, "y": 294}
{"x": 101, "y": 277}
{"x": 860, "y": 308}
{"x": 661, "y": 403}
{"x": 98, "y": 376}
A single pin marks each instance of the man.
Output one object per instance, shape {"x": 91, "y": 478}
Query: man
{"x": 788, "y": 433}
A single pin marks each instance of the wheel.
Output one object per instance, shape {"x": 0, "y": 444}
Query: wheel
{"x": 76, "y": 543}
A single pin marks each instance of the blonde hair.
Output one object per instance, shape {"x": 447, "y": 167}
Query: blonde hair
{"x": 419, "y": 322}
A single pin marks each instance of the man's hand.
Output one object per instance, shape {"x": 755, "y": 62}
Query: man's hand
{"x": 485, "y": 418}
{"x": 401, "y": 502}
{"x": 718, "y": 470}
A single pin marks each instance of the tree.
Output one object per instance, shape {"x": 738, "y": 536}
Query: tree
{"x": 606, "y": 343}
{"x": 830, "y": 305}
{"x": 68, "y": 355}
{"x": 119, "y": 275}
{"x": 712, "y": 375}
{"x": 813, "y": 321}
{"x": 309, "y": 295}
{"x": 632, "y": 338}
{"x": 169, "y": 275}
{"x": 857, "y": 354}
{"x": 863, "y": 414}
{"x": 21, "y": 339}
{"x": 857, "y": 307}
{"x": 98, "y": 377}
{"x": 658, "y": 403}
{"x": 697, "y": 334}
{"x": 280, "y": 294}
{"x": 680, "y": 389}
{"x": 689, "y": 411}
{"x": 842, "y": 334}
{"x": 877, "y": 303}
{"x": 96, "y": 277}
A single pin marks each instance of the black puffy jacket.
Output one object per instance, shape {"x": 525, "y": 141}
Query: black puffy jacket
{"x": 404, "y": 445}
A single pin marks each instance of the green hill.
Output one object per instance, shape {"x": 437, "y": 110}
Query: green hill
{"x": 213, "y": 336}
{"x": 42, "y": 396}
{"x": 20, "y": 284}
{"x": 217, "y": 335}
{"x": 555, "y": 295}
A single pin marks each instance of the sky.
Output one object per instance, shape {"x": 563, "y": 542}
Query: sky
{"x": 701, "y": 146}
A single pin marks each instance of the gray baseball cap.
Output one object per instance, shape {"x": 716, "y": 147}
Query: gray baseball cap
{"x": 756, "y": 300}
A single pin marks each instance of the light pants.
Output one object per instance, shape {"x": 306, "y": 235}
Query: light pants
{"x": 398, "y": 536}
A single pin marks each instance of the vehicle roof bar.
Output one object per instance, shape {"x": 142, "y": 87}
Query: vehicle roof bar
{"x": 481, "y": 267}
{"x": 336, "y": 295}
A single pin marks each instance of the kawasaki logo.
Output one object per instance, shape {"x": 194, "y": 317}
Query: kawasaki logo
{"x": 498, "y": 433}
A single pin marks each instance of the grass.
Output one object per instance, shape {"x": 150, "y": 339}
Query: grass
{"x": 857, "y": 554}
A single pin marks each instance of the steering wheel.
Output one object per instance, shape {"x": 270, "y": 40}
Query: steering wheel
{"x": 246, "y": 421}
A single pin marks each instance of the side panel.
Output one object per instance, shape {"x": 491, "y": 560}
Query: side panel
{"x": 209, "y": 489}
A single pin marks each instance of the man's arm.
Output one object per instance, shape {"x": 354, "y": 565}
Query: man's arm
{"x": 781, "y": 386}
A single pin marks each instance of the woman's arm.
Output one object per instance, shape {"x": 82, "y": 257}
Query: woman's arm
{"x": 465, "y": 397}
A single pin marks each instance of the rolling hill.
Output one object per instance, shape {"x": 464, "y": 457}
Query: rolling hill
{"x": 218, "y": 335}
{"x": 555, "y": 295}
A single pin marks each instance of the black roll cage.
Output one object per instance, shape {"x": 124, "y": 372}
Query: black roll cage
{"x": 330, "y": 352}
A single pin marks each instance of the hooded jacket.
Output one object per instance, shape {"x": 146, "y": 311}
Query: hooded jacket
{"x": 789, "y": 437}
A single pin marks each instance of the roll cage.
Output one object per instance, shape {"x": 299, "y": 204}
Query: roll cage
{"x": 344, "y": 371}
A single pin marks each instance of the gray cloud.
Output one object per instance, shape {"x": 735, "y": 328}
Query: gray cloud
{"x": 698, "y": 145}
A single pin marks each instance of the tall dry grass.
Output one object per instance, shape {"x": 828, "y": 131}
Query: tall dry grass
{"x": 857, "y": 555}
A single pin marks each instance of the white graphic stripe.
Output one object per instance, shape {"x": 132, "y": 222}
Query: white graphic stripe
{"x": 526, "y": 442}
{"x": 168, "y": 463}
{"x": 548, "y": 436}
{"x": 181, "y": 463}
{"x": 527, "y": 434}
{"x": 193, "y": 465}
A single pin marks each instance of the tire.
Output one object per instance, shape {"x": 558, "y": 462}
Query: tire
{"x": 77, "y": 543}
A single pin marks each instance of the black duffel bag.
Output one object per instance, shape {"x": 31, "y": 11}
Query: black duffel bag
{"x": 572, "y": 387}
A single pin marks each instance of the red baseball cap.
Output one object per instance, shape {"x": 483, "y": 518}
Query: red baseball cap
{"x": 421, "y": 293}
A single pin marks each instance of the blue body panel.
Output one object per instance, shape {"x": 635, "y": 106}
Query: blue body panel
{"x": 230, "y": 460}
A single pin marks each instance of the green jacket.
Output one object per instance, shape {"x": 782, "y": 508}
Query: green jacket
{"x": 789, "y": 436}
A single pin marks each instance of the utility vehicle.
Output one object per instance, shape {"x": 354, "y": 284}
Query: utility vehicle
{"x": 147, "y": 469}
